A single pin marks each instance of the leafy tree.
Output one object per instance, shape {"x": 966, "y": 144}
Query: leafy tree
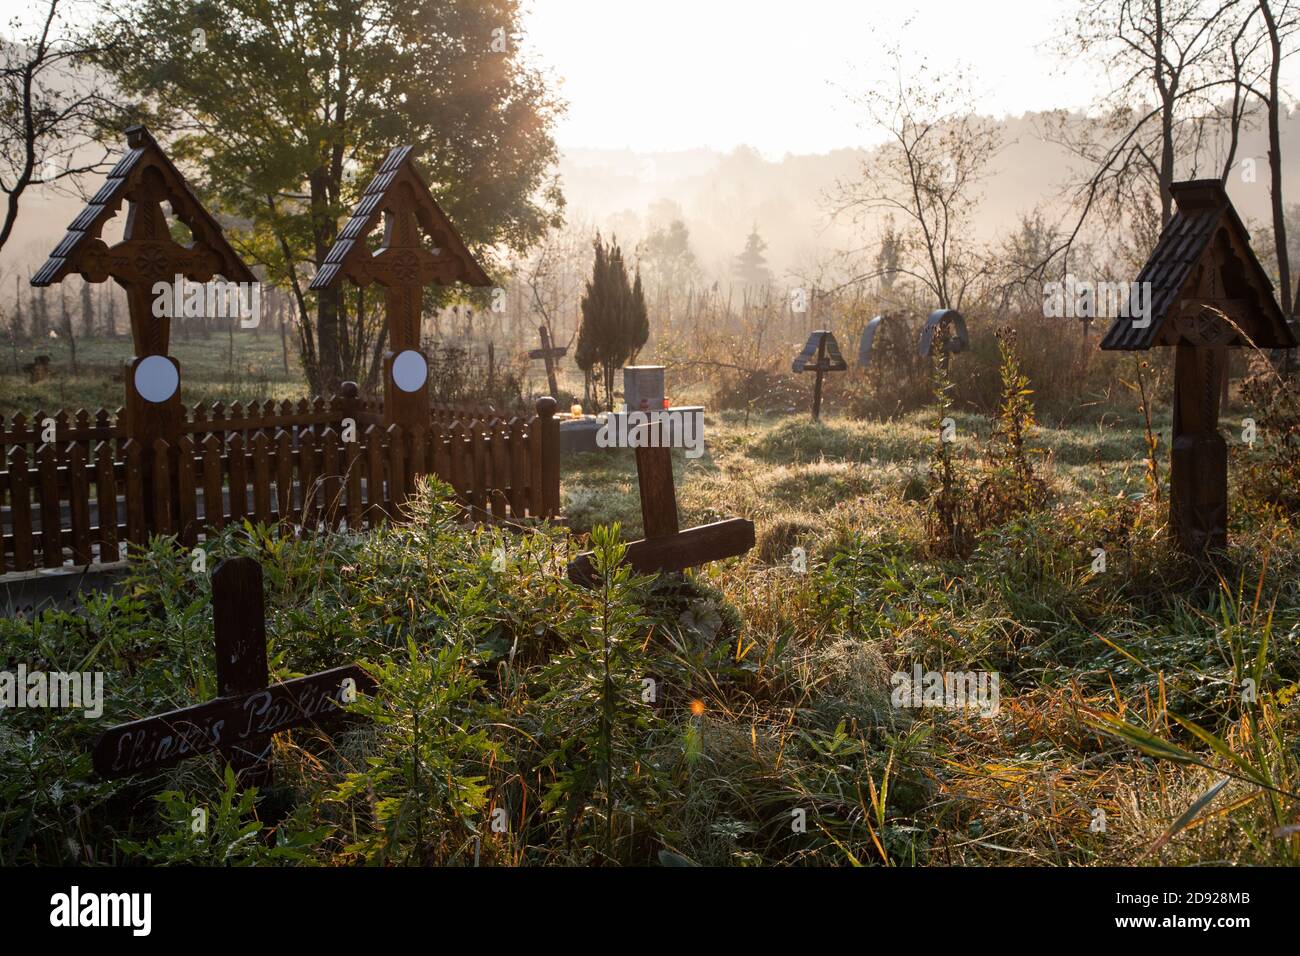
{"x": 668, "y": 257}
{"x": 286, "y": 106}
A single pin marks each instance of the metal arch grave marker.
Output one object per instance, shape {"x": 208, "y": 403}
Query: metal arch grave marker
{"x": 822, "y": 347}
{"x": 240, "y": 721}
{"x": 868, "y": 340}
{"x": 949, "y": 327}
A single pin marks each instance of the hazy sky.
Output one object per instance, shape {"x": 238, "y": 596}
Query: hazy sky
{"x": 774, "y": 73}
{"x": 675, "y": 74}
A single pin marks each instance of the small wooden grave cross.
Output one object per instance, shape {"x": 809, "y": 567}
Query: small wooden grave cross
{"x": 665, "y": 547}
{"x": 248, "y": 710}
{"x": 821, "y": 344}
{"x": 420, "y": 246}
{"x": 1208, "y": 293}
{"x": 549, "y": 353}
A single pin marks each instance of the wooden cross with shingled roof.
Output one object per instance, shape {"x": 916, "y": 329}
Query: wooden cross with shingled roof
{"x": 1209, "y": 293}
{"x": 146, "y": 178}
{"x": 821, "y": 354}
{"x": 419, "y": 246}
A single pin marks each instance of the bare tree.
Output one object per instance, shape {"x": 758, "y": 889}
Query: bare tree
{"x": 927, "y": 177}
{"x": 1280, "y": 24}
{"x": 50, "y": 108}
{"x": 1161, "y": 118}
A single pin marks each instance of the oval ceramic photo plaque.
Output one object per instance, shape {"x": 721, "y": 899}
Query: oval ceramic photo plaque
{"x": 410, "y": 371}
{"x": 156, "y": 379}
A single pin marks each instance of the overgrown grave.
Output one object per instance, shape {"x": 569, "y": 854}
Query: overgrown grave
{"x": 1209, "y": 293}
{"x": 822, "y": 346}
{"x": 248, "y": 711}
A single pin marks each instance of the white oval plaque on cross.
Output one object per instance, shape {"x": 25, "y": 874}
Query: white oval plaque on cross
{"x": 410, "y": 371}
{"x": 156, "y": 379}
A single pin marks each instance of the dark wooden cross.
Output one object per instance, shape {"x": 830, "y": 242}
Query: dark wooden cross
{"x": 1206, "y": 292}
{"x": 821, "y": 344}
{"x": 145, "y": 178}
{"x": 665, "y": 547}
{"x": 549, "y": 353}
{"x": 249, "y": 709}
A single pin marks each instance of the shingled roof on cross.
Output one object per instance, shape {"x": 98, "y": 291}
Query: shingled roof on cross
{"x": 399, "y": 193}
{"x": 143, "y": 174}
{"x": 1203, "y": 261}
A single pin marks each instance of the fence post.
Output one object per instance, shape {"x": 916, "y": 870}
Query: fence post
{"x": 550, "y": 432}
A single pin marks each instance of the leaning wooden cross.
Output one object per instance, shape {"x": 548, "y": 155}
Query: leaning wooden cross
{"x": 665, "y": 547}
{"x": 248, "y": 711}
{"x": 549, "y": 353}
{"x": 821, "y": 344}
{"x": 1207, "y": 293}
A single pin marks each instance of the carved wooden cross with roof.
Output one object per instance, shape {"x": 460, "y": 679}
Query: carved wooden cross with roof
{"x": 1209, "y": 293}
{"x": 419, "y": 246}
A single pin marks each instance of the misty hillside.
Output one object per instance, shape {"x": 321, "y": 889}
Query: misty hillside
{"x": 721, "y": 195}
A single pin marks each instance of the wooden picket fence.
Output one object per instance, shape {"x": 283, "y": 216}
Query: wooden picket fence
{"x": 267, "y": 463}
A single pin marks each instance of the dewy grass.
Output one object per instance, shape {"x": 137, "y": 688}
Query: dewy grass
{"x": 521, "y": 720}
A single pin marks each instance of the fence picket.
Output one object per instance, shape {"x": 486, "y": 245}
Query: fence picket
{"x": 238, "y": 468}
{"x": 375, "y": 511}
{"x": 261, "y": 479}
{"x": 188, "y": 520}
{"x": 79, "y": 503}
{"x": 106, "y": 495}
{"x": 331, "y": 479}
{"x": 20, "y": 508}
{"x": 51, "y": 507}
{"x": 518, "y": 469}
{"x": 214, "y": 504}
{"x": 284, "y": 477}
{"x": 162, "y": 488}
{"x": 396, "y": 472}
{"x": 135, "y": 525}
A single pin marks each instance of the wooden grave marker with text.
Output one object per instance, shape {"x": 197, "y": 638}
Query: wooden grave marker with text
{"x": 248, "y": 710}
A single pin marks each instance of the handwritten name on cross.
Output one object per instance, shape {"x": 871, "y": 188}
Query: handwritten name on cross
{"x": 249, "y": 709}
